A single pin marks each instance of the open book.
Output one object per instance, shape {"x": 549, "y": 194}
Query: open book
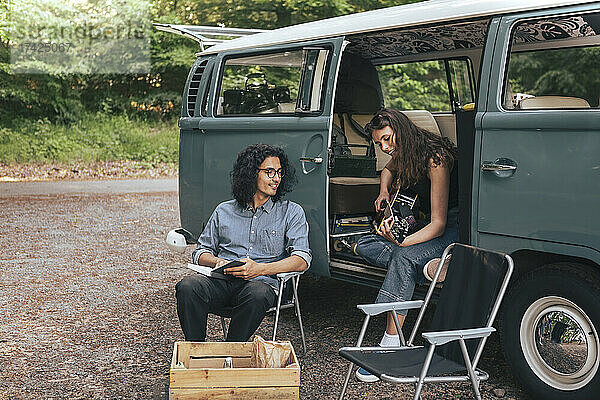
{"x": 216, "y": 272}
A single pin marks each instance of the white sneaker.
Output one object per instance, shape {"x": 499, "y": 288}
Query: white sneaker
{"x": 431, "y": 266}
{"x": 365, "y": 376}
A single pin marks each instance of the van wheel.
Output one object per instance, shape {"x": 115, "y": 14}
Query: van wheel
{"x": 550, "y": 331}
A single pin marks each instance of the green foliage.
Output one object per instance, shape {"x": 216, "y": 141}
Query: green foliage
{"x": 65, "y": 97}
{"x": 417, "y": 85}
{"x": 264, "y": 14}
{"x": 94, "y": 137}
{"x": 87, "y": 116}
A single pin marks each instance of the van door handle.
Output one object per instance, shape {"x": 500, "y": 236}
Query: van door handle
{"x": 502, "y": 167}
{"x": 490, "y": 166}
{"x": 316, "y": 160}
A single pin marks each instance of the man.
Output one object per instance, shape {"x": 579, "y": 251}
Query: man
{"x": 268, "y": 234}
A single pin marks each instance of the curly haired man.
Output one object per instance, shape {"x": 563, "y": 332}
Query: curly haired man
{"x": 259, "y": 228}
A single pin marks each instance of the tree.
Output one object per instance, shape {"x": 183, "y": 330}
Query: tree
{"x": 62, "y": 95}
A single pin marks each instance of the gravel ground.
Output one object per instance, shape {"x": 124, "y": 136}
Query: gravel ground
{"x": 87, "y": 307}
{"x": 122, "y": 169}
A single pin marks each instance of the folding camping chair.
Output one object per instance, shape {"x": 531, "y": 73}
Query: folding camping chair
{"x": 294, "y": 301}
{"x": 466, "y": 309}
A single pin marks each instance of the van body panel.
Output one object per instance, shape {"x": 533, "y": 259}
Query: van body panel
{"x": 513, "y": 244}
{"x": 191, "y": 182}
{"x": 219, "y": 139}
{"x": 485, "y": 80}
{"x": 191, "y": 161}
{"x": 553, "y": 194}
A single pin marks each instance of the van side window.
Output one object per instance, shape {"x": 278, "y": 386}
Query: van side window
{"x": 461, "y": 76}
{"x": 435, "y": 86}
{"x": 419, "y": 85}
{"x": 204, "y": 105}
{"x": 553, "y": 63}
{"x": 275, "y": 83}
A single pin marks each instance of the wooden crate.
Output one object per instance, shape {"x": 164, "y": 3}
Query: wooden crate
{"x": 202, "y": 375}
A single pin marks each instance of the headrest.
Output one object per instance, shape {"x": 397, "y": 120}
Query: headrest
{"x": 358, "y": 88}
{"x": 423, "y": 119}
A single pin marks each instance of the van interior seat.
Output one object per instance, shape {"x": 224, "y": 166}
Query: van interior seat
{"x": 352, "y": 195}
{"x": 287, "y": 108}
{"x": 422, "y": 118}
{"x": 551, "y": 102}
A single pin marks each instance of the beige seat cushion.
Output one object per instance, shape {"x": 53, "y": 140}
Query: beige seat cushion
{"x": 287, "y": 107}
{"x": 423, "y": 119}
{"x": 553, "y": 102}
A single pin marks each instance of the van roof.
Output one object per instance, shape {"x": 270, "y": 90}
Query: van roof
{"x": 424, "y": 13}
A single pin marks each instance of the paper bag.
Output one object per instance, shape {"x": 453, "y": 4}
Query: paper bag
{"x": 266, "y": 354}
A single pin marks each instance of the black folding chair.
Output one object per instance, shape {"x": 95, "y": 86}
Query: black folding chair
{"x": 466, "y": 309}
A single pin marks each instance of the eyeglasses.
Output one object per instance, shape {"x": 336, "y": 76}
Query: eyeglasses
{"x": 272, "y": 171}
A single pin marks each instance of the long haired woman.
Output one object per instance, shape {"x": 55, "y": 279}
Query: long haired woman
{"x": 424, "y": 164}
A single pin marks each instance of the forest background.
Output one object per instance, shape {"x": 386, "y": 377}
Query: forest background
{"x": 79, "y": 117}
{"x": 58, "y": 116}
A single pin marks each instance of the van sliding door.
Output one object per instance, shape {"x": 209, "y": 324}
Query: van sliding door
{"x": 538, "y": 167}
{"x": 281, "y": 95}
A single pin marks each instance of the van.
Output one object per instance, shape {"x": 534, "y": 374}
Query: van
{"x": 515, "y": 84}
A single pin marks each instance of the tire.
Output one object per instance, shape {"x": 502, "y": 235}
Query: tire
{"x": 549, "y": 331}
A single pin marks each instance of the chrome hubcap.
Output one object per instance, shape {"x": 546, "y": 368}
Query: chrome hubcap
{"x": 560, "y": 343}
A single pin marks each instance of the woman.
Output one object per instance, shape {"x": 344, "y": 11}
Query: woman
{"x": 425, "y": 164}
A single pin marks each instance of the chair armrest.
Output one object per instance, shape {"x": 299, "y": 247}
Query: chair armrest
{"x": 443, "y": 337}
{"x": 378, "y": 308}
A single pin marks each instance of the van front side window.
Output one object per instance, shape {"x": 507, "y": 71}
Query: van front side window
{"x": 553, "y": 64}
{"x": 270, "y": 83}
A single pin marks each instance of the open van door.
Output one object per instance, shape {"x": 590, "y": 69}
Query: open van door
{"x": 280, "y": 95}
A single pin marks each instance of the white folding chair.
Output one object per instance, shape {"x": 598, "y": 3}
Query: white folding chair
{"x": 282, "y": 279}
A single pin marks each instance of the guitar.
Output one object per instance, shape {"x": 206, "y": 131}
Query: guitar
{"x": 403, "y": 209}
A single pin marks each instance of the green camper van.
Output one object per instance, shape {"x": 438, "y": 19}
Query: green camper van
{"x": 515, "y": 84}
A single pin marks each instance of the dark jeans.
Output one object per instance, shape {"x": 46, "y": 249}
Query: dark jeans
{"x": 404, "y": 264}
{"x": 246, "y": 302}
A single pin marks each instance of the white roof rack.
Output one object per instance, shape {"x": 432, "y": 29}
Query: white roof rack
{"x": 207, "y": 35}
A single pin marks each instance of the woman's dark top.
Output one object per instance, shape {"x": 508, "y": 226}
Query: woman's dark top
{"x": 423, "y": 189}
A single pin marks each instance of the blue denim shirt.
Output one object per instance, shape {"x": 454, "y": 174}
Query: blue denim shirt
{"x": 275, "y": 231}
